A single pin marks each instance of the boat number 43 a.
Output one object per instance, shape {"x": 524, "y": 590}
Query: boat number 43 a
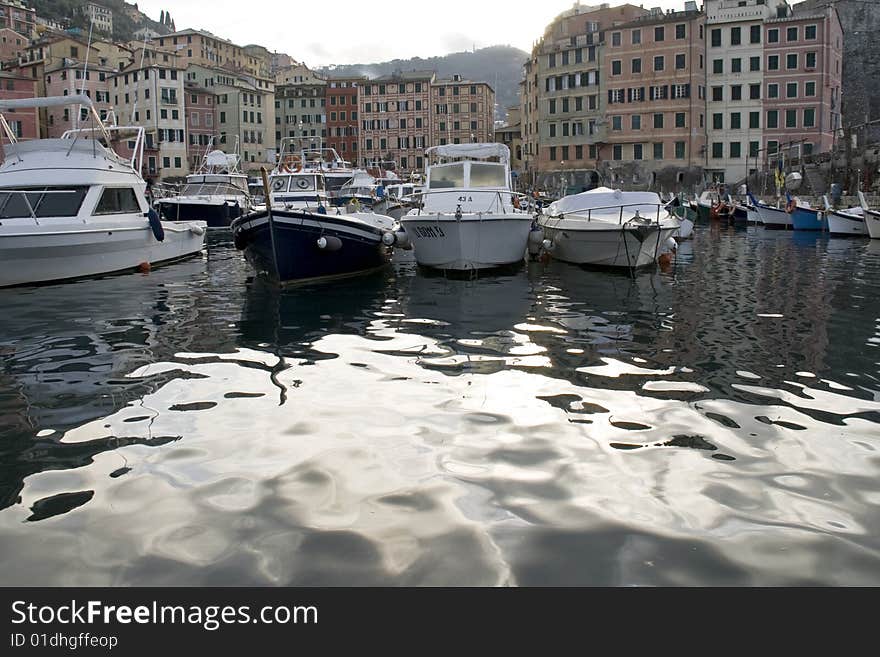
{"x": 430, "y": 231}
{"x": 465, "y": 199}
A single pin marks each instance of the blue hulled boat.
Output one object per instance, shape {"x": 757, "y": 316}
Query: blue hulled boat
{"x": 803, "y": 218}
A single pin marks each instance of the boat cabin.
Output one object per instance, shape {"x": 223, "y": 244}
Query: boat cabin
{"x": 470, "y": 177}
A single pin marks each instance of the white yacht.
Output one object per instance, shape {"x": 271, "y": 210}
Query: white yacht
{"x": 469, "y": 217}
{"x": 73, "y": 207}
{"x": 217, "y": 193}
{"x": 608, "y": 228}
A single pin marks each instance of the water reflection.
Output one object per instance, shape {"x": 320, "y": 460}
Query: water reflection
{"x": 713, "y": 423}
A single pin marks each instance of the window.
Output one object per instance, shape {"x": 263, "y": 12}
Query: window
{"x": 772, "y": 119}
{"x": 753, "y": 148}
{"x": 486, "y": 174}
{"x": 772, "y": 146}
{"x": 615, "y": 39}
{"x": 791, "y": 34}
{"x": 736, "y": 65}
{"x": 716, "y": 38}
{"x": 636, "y": 121}
{"x": 735, "y": 150}
{"x": 660, "y": 33}
{"x": 735, "y": 121}
{"x": 718, "y": 121}
{"x": 659, "y": 63}
{"x": 552, "y": 130}
{"x": 736, "y": 92}
{"x": 658, "y": 121}
{"x": 755, "y": 63}
{"x": 754, "y": 92}
{"x": 773, "y": 90}
{"x": 773, "y": 35}
{"x": 118, "y": 200}
{"x": 616, "y": 123}
{"x": 717, "y": 66}
{"x": 61, "y": 202}
{"x": 773, "y": 63}
{"x": 637, "y": 65}
{"x": 451, "y": 175}
{"x": 680, "y": 120}
{"x": 679, "y": 150}
{"x": 681, "y": 31}
{"x": 754, "y": 120}
{"x": 809, "y": 89}
{"x": 615, "y": 67}
{"x": 717, "y": 150}
{"x": 680, "y": 62}
{"x": 638, "y": 152}
{"x": 791, "y": 61}
{"x": 755, "y": 34}
{"x": 553, "y": 153}
{"x": 735, "y": 36}
{"x": 791, "y": 89}
{"x": 617, "y": 152}
{"x": 791, "y": 118}
{"x": 810, "y": 118}
{"x": 636, "y": 37}
{"x": 810, "y": 33}
{"x": 717, "y": 94}
{"x": 811, "y": 60}
{"x": 658, "y": 150}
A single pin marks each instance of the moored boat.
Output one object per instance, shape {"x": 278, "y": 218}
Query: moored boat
{"x": 773, "y": 218}
{"x": 848, "y": 222}
{"x": 803, "y": 217}
{"x": 609, "y": 228}
{"x": 73, "y": 207}
{"x": 872, "y": 218}
{"x": 470, "y": 218}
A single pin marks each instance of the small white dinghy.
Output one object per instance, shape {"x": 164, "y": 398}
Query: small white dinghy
{"x": 72, "y": 207}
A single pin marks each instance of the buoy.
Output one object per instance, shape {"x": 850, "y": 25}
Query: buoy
{"x": 156, "y": 225}
{"x": 388, "y": 238}
{"x": 548, "y": 245}
{"x": 197, "y": 230}
{"x": 144, "y": 268}
{"x": 671, "y": 245}
{"x": 329, "y": 243}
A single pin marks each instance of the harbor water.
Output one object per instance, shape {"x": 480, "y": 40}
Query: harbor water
{"x": 713, "y": 423}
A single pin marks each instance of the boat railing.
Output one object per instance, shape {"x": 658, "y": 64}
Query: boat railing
{"x": 621, "y": 210}
{"x": 518, "y": 201}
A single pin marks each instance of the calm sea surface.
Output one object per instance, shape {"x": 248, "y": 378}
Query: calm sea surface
{"x": 714, "y": 424}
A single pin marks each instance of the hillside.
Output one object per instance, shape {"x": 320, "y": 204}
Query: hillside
{"x": 500, "y": 66}
{"x": 126, "y": 17}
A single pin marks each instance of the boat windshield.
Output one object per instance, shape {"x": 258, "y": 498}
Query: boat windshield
{"x": 445, "y": 176}
{"x": 41, "y": 202}
{"x": 485, "y": 174}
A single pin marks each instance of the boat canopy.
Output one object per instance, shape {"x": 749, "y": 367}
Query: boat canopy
{"x": 603, "y": 197}
{"x": 472, "y": 151}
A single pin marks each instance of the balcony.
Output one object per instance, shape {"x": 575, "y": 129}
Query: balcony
{"x": 169, "y": 100}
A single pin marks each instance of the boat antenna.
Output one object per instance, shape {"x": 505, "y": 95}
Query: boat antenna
{"x": 82, "y": 87}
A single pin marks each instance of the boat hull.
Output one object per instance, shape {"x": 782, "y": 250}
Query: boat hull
{"x": 613, "y": 246}
{"x": 774, "y": 218}
{"x": 846, "y": 225}
{"x": 32, "y": 256}
{"x": 472, "y": 242}
{"x": 296, "y": 255}
{"x": 216, "y": 215}
{"x": 872, "y": 224}
{"x": 804, "y": 219}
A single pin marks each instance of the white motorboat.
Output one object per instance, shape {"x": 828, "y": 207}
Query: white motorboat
{"x": 73, "y": 207}
{"x": 850, "y": 221}
{"x": 872, "y": 218}
{"x": 773, "y": 218}
{"x": 397, "y": 200}
{"x": 217, "y": 193}
{"x": 469, "y": 217}
{"x": 608, "y": 228}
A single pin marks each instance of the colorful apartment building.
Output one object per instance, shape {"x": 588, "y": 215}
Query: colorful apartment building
{"x": 300, "y": 109}
{"x": 342, "y": 115}
{"x": 462, "y": 111}
{"x": 23, "y": 122}
{"x": 68, "y": 78}
{"x": 205, "y": 49}
{"x": 396, "y": 113}
{"x": 12, "y": 45}
{"x": 654, "y": 73}
{"x": 100, "y": 16}
{"x": 18, "y": 16}
{"x": 200, "y": 112}
{"x": 802, "y": 82}
{"x": 564, "y": 91}
{"x": 153, "y": 97}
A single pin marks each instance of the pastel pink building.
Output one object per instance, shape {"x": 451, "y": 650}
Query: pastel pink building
{"x": 24, "y": 123}
{"x": 802, "y": 80}
{"x": 200, "y": 112}
{"x": 69, "y": 78}
{"x": 12, "y": 44}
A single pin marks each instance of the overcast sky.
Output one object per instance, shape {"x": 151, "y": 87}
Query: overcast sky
{"x": 358, "y": 32}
